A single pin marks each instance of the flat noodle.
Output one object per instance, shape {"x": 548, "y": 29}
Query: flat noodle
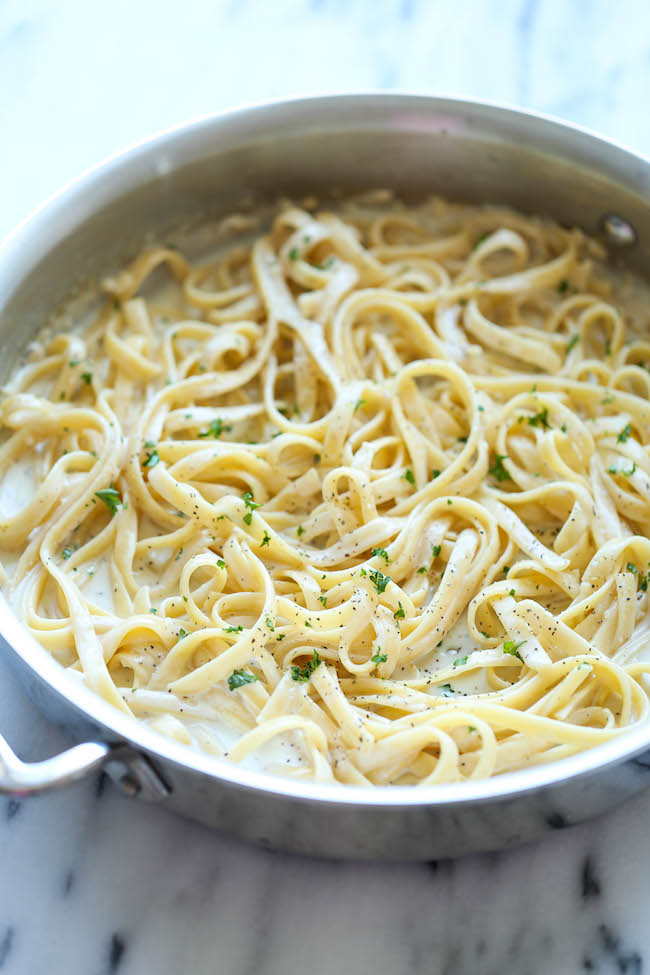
{"x": 270, "y": 496}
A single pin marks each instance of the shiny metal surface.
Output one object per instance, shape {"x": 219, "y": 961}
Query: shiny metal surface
{"x": 416, "y": 145}
{"x": 22, "y": 778}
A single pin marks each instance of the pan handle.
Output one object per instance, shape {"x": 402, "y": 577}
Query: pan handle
{"x": 131, "y": 771}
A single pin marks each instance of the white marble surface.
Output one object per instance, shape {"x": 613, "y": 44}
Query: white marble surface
{"x": 93, "y": 884}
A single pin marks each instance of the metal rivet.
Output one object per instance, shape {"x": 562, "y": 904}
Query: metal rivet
{"x": 618, "y": 231}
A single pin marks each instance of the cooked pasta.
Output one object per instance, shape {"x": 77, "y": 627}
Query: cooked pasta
{"x": 364, "y": 498}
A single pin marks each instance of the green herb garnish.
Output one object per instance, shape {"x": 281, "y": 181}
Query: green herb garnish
{"x": 625, "y": 433}
{"x": 381, "y": 552}
{"x": 304, "y": 673}
{"x": 409, "y": 476}
{"x": 540, "y": 420}
{"x": 111, "y": 498}
{"x": 512, "y": 648}
{"x": 379, "y": 580}
{"x": 498, "y": 470}
{"x": 216, "y": 428}
{"x": 239, "y": 678}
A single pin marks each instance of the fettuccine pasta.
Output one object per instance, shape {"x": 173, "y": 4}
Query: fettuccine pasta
{"x": 363, "y": 498}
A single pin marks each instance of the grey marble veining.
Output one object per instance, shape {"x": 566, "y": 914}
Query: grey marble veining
{"x": 92, "y": 884}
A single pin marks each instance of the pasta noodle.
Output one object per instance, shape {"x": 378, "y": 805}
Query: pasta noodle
{"x": 364, "y": 498}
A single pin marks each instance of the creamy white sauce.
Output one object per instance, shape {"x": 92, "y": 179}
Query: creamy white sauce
{"x": 17, "y": 488}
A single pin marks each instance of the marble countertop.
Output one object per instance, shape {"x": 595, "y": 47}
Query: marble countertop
{"x": 91, "y": 883}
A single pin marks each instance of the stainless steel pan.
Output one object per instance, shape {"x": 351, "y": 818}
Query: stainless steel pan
{"x": 417, "y": 145}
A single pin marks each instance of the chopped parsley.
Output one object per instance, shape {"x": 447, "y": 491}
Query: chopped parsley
{"x": 563, "y": 287}
{"x": 409, "y": 476}
{"x": 87, "y": 377}
{"x": 270, "y": 625}
{"x": 181, "y": 634}
{"x": 66, "y": 553}
{"x": 233, "y": 629}
{"x": 540, "y": 420}
{"x": 436, "y": 550}
{"x": 399, "y": 614}
{"x": 359, "y": 404}
{"x": 111, "y": 498}
{"x": 625, "y": 433}
{"x": 216, "y": 428}
{"x": 323, "y": 600}
{"x": 247, "y": 498}
{"x": 381, "y": 552}
{"x": 460, "y": 661}
{"x": 447, "y": 689}
{"x": 149, "y": 444}
{"x": 304, "y": 673}
{"x": 643, "y": 579}
{"x": 421, "y": 570}
{"x": 152, "y": 459}
{"x": 300, "y": 531}
{"x": 498, "y": 470}
{"x": 379, "y": 580}
{"x": 266, "y": 540}
{"x": 615, "y": 470}
{"x": 379, "y": 658}
{"x": 512, "y": 648}
{"x": 573, "y": 341}
{"x": 435, "y": 473}
{"x": 239, "y": 678}
{"x": 294, "y": 254}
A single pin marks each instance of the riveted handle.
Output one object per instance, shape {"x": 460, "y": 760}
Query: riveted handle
{"x": 132, "y": 773}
